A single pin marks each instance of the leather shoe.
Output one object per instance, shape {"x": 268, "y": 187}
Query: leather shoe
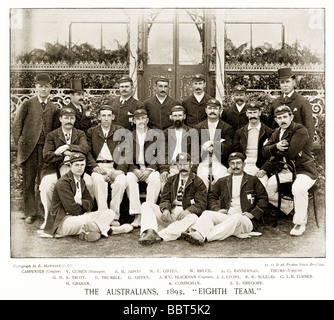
{"x": 30, "y": 219}
{"x": 298, "y": 230}
{"x": 90, "y": 236}
{"x": 193, "y": 237}
{"x": 149, "y": 237}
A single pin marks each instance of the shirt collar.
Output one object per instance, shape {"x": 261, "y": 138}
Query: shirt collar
{"x": 258, "y": 127}
{"x": 290, "y": 94}
{"x": 41, "y": 100}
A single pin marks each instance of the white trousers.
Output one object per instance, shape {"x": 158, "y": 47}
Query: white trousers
{"x": 300, "y": 189}
{"x": 98, "y": 221}
{"x": 214, "y": 225}
{"x": 48, "y": 184}
{"x": 252, "y": 169}
{"x": 152, "y": 190}
{"x": 168, "y": 231}
{"x": 217, "y": 170}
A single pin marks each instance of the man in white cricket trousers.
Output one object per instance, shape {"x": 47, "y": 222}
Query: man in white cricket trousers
{"x": 183, "y": 199}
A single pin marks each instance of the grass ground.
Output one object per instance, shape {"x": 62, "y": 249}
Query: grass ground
{"x": 274, "y": 242}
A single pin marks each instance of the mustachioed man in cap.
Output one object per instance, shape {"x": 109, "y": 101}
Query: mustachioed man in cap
{"x": 83, "y": 118}
{"x": 236, "y": 115}
{"x": 183, "y": 199}
{"x": 59, "y": 145}
{"x": 290, "y": 141}
{"x": 159, "y": 106}
{"x": 124, "y": 106}
{"x": 195, "y": 104}
{"x": 299, "y": 105}
{"x": 34, "y": 119}
{"x": 71, "y": 207}
{"x": 107, "y": 161}
{"x": 250, "y": 140}
{"x": 236, "y": 204}
{"x": 216, "y": 138}
{"x": 145, "y": 167}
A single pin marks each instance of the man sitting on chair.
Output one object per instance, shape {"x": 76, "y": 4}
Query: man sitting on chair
{"x": 291, "y": 141}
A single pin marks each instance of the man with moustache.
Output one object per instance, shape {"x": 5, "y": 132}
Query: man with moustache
{"x": 34, "y": 119}
{"x": 159, "y": 106}
{"x": 58, "y": 147}
{"x": 236, "y": 115}
{"x": 183, "y": 199}
{"x": 195, "y": 104}
{"x": 124, "y": 106}
{"x": 299, "y": 105}
{"x": 106, "y": 160}
{"x": 144, "y": 168}
{"x": 250, "y": 140}
{"x": 83, "y": 118}
{"x": 216, "y": 142}
{"x": 178, "y": 138}
{"x": 290, "y": 141}
{"x": 236, "y": 204}
{"x": 71, "y": 208}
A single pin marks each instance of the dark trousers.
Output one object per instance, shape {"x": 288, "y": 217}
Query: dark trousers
{"x": 31, "y": 171}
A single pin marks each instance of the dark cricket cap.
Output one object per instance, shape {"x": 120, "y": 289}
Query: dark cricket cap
{"x": 239, "y": 88}
{"x": 140, "y": 113}
{"x": 236, "y": 155}
{"x": 253, "y": 105}
{"x": 105, "y": 107}
{"x": 199, "y": 77}
{"x": 77, "y": 156}
{"x": 178, "y": 108}
{"x": 42, "y": 78}
{"x": 67, "y": 111}
{"x": 125, "y": 79}
{"x": 213, "y": 102}
{"x": 163, "y": 79}
{"x": 183, "y": 157}
{"x": 282, "y": 109}
{"x": 285, "y": 73}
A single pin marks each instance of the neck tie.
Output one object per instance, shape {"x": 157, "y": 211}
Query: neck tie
{"x": 180, "y": 191}
{"x": 43, "y": 104}
{"x": 67, "y": 136}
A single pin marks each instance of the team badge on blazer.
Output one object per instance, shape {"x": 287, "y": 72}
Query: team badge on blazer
{"x": 250, "y": 198}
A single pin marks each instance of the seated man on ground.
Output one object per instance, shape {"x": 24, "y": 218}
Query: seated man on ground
{"x": 183, "y": 199}
{"x": 236, "y": 203}
{"x": 71, "y": 205}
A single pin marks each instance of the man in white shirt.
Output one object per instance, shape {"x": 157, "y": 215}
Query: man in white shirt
{"x": 142, "y": 169}
{"x": 236, "y": 203}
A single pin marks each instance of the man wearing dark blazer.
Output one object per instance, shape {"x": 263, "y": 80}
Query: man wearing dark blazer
{"x": 59, "y": 145}
{"x": 124, "y": 106}
{"x": 299, "y": 105}
{"x": 159, "y": 106}
{"x": 290, "y": 141}
{"x": 83, "y": 118}
{"x": 195, "y": 104}
{"x": 216, "y": 139}
{"x": 107, "y": 161}
{"x": 34, "y": 119}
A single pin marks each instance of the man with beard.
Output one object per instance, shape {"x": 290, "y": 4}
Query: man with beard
{"x": 290, "y": 141}
{"x": 124, "y": 106}
{"x": 183, "y": 199}
{"x": 83, "y": 118}
{"x": 216, "y": 142}
{"x": 144, "y": 167}
{"x": 236, "y": 204}
{"x": 250, "y": 140}
{"x": 34, "y": 119}
{"x": 195, "y": 104}
{"x": 159, "y": 106}
{"x": 236, "y": 115}
{"x": 299, "y": 105}
{"x": 178, "y": 138}
{"x": 58, "y": 147}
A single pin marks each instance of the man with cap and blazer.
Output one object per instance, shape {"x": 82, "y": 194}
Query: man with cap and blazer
{"x": 236, "y": 204}
{"x": 195, "y": 104}
{"x": 236, "y": 116}
{"x": 159, "y": 106}
{"x": 299, "y": 105}
{"x": 250, "y": 140}
{"x": 59, "y": 145}
{"x": 83, "y": 118}
{"x": 125, "y": 105}
{"x": 291, "y": 141}
{"x": 70, "y": 213}
{"x": 34, "y": 119}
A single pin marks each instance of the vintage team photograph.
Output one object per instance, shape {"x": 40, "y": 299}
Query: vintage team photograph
{"x": 167, "y": 132}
